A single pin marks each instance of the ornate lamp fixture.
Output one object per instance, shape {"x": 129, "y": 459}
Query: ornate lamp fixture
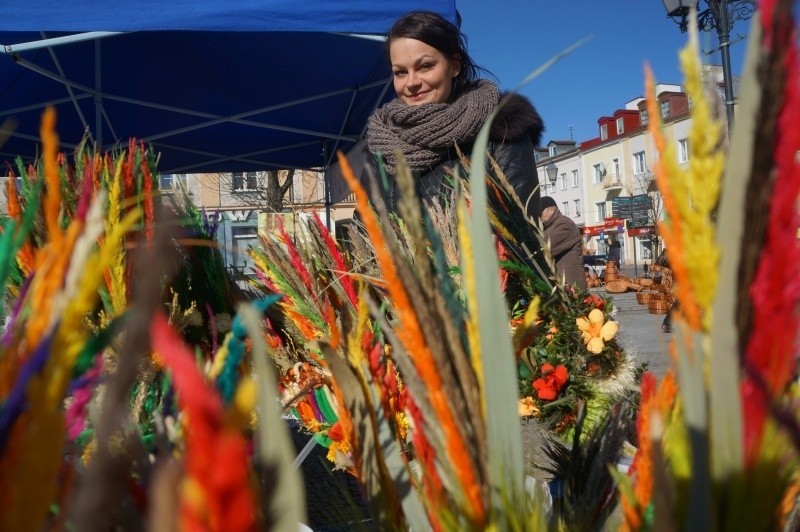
{"x": 719, "y": 16}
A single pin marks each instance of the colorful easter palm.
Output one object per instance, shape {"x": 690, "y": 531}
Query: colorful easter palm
{"x": 705, "y": 460}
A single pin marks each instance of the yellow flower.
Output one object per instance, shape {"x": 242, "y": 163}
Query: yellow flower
{"x": 526, "y": 407}
{"x": 595, "y": 332}
{"x": 403, "y": 425}
{"x": 339, "y": 454}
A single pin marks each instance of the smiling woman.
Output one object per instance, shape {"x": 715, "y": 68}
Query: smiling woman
{"x": 421, "y": 72}
{"x": 441, "y": 105}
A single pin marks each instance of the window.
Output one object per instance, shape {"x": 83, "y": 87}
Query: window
{"x": 601, "y": 211}
{"x": 244, "y": 181}
{"x": 564, "y": 181}
{"x": 643, "y": 118}
{"x": 639, "y": 163}
{"x": 665, "y": 109}
{"x": 683, "y": 150}
{"x": 552, "y": 151}
{"x": 575, "y": 181}
{"x": 620, "y": 126}
{"x": 615, "y": 162}
{"x": 565, "y": 208}
{"x": 597, "y": 173}
{"x": 172, "y": 182}
{"x": 604, "y": 132}
{"x": 577, "y": 207}
{"x": 243, "y": 236}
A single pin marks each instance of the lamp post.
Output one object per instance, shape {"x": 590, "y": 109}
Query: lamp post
{"x": 552, "y": 173}
{"x": 720, "y": 16}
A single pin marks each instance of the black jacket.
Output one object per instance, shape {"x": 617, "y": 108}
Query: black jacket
{"x": 515, "y": 132}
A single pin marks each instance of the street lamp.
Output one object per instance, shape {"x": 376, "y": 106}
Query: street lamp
{"x": 552, "y": 173}
{"x": 720, "y": 16}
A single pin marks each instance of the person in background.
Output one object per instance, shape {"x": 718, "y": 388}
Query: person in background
{"x": 565, "y": 243}
{"x": 442, "y": 103}
{"x": 663, "y": 261}
{"x": 614, "y": 250}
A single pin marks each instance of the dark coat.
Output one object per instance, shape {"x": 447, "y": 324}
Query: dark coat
{"x": 515, "y": 132}
{"x": 614, "y": 251}
{"x": 567, "y": 248}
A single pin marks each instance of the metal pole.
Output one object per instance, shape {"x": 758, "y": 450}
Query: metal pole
{"x": 98, "y": 98}
{"x": 633, "y": 240}
{"x": 326, "y": 189}
{"x": 723, "y": 32}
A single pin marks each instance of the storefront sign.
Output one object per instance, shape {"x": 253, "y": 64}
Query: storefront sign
{"x": 233, "y": 216}
{"x": 592, "y": 230}
{"x": 609, "y": 225}
{"x": 642, "y": 231}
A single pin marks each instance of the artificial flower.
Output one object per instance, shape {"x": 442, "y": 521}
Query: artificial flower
{"x": 403, "y": 425}
{"x": 339, "y": 451}
{"x": 596, "y": 331}
{"x": 526, "y": 407}
{"x": 552, "y": 380}
{"x": 594, "y": 299}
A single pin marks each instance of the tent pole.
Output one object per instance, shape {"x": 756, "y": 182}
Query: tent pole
{"x": 55, "y": 41}
{"x": 98, "y": 98}
{"x": 326, "y": 189}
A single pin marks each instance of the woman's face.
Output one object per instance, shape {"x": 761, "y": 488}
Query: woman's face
{"x": 422, "y": 74}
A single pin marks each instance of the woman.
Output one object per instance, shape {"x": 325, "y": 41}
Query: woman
{"x": 442, "y": 103}
{"x": 614, "y": 251}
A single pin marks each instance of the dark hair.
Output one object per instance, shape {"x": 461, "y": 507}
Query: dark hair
{"x": 436, "y": 31}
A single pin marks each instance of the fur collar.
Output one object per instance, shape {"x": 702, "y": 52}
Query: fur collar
{"x": 517, "y": 117}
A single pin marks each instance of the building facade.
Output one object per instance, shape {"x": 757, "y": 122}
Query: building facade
{"x": 606, "y": 184}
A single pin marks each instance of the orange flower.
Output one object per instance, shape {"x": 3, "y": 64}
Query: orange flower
{"x": 595, "y": 333}
{"x": 552, "y": 380}
{"x": 526, "y": 407}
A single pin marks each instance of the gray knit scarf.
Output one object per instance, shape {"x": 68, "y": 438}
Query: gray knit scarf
{"x": 423, "y": 133}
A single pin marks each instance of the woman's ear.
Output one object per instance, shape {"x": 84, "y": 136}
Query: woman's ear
{"x": 455, "y": 65}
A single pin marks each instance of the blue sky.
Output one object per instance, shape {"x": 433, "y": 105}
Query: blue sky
{"x": 511, "y": 38}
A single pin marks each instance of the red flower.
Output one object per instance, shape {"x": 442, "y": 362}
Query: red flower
{"x": 336, "y": 433}
{"x": 594, "y": 299}
{"x": 552, "y": 380}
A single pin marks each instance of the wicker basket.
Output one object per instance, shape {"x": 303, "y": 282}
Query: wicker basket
{"x": 644, "y": 281}
{"x": 611, "y": 275}
{"x": 663, "y": 288}
{"x": 659, "y": 307}
{"x": 633, "y": 284}
{"x": 616, "y": 286}
{"x": 643, "y": 298}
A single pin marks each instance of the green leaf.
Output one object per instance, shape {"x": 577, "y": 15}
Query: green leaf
{"x": 275, "y": 447}
{"x": 504, "y": 439}
{"x": 726, "y": 431}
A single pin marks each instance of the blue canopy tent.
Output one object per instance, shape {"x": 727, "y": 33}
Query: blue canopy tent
{"x": 213, "y": 85}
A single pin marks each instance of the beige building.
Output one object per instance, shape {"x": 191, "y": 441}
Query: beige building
{"x": 609, "y": 177}
{"x": 240, "y": 204}
{"x": 620, "y": 191}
